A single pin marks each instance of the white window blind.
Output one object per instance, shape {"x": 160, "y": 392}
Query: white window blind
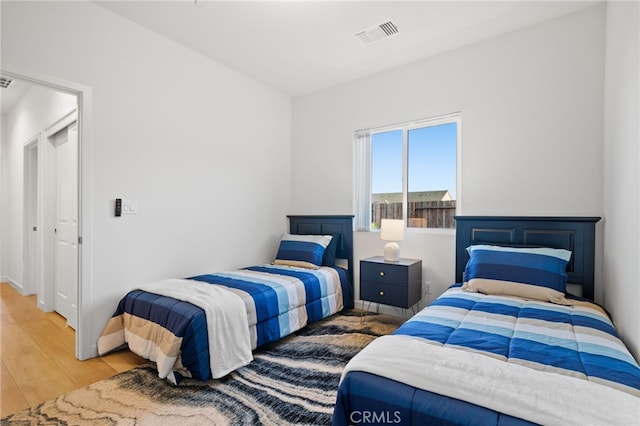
{"x": 362, "y": 178}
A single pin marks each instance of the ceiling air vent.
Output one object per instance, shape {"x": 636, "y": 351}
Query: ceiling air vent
{"x": 5, "y": 82}
{"x": 377, "y": 32}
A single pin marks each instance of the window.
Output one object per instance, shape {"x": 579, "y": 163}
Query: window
{"x": 409, "y": 172}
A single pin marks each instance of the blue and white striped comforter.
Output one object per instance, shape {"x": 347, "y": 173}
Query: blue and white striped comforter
{"x": 278, "y": 301}
{"x": 282, "y": 299}
{"x": 539, "y": 361}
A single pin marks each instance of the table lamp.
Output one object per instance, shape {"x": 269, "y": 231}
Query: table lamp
{"x": 392, "y": 230}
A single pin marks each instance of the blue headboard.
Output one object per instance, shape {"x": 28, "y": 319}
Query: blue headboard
{"x": 576, "y": 234}
{"x": 340, "y": 226}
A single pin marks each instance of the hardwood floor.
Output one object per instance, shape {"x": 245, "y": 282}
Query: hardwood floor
{"x": 37, "y": 355}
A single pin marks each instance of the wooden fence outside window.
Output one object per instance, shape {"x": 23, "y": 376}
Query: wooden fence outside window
{"x": 421, "y": 214}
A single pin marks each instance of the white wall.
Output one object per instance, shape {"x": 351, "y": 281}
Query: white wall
{"x": 621, "y": 176}
{"x": 4, "y": 226}
{"x": 532, "y": 127}
{"x": 204, "y": 150}
{"x": 38, "y": 109}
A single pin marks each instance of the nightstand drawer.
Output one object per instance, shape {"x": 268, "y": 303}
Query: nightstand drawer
{"x": 386, "y": 294}
{"x": 383, "y": 273}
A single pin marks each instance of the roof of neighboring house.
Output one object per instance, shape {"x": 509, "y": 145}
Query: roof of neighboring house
{"x": 396, "y": 197}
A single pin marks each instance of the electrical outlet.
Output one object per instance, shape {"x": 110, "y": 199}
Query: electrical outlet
{"x": 427, "y": 287}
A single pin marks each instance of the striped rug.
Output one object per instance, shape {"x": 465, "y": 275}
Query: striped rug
{"x": 293, "y": 381}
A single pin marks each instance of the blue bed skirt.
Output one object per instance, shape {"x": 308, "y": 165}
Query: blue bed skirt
{"x": 365, "y": 398}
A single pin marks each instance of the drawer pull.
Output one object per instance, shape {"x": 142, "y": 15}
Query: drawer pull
{"x": 382, "y": 273}
{"x": 382, "y": 293}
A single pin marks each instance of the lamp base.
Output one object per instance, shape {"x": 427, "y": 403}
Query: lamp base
{"x": 391, "y": 252}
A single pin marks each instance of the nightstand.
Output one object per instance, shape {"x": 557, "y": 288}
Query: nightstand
{"x": 391, "y": 283}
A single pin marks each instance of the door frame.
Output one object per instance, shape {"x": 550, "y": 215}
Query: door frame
{"x": 85, "y": 347}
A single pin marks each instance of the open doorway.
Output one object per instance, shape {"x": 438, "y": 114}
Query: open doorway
{"x": 51, "y": 215}
{"x": 54, "y": 160}
{"x": 31, "y": 246}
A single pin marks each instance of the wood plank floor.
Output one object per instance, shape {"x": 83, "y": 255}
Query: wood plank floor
{"x": 37, "y": 355}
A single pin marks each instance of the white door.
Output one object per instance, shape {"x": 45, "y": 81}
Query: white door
{"x": 31, "y": 206}
{"x": 66, "y": 224}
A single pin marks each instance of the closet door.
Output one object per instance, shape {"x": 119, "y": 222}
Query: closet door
{"x": 66, "y": 224}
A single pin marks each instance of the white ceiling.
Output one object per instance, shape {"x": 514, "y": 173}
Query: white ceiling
{"x": 300, "y": 47}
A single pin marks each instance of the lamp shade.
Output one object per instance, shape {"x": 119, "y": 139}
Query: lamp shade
{"x": 392, "y": 230}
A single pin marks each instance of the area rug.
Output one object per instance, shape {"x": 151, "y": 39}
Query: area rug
{"x": 293, "y": 381}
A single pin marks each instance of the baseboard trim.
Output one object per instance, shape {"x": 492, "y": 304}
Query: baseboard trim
{"x": 16, "y": 285}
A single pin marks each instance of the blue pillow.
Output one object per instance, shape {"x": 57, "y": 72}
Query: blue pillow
{"x": 531, "y": 273}
{"x": 305, "y": 251}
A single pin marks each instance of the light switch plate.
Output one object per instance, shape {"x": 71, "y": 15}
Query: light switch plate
{"x": 129, "y": 207}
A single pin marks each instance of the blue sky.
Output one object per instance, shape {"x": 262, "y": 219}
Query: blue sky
{"x": 432, "y": 160}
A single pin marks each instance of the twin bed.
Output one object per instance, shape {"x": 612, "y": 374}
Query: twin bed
{"x": 498, "y": 352}
{"x": 191, "y": 328}
{"x": 492, "y": 349}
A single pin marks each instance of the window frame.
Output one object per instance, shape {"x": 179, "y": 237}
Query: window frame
{"x": 456, "y": 118}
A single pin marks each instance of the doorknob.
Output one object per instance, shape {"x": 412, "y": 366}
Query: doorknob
{"x": 35, "y": 228}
